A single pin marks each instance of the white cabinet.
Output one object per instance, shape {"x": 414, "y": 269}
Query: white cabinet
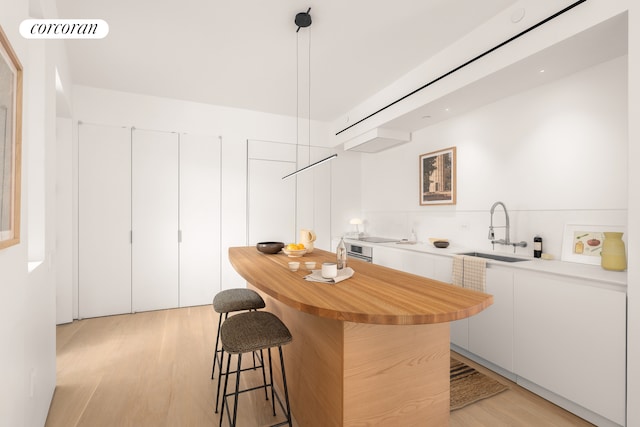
{"x": 440, "y": 268}
{"x": 279, "y": 208}
{"x": 154, "y": 220}
{"x": 491, "y": 330}
{"x": 561, "y": 337}
{"x": 157, "y": 188}
{"x": 104, "y": 220}
{"x": 420, "y": 263}
{"x": 570, "y": 340}
{"x": 388, "y": 257}
{"x": 427, "y": 265}
{"x": 435, "y": 267}
{"x": 271, "y": 200}
{"x": 313, "y": 204}
{"x": 200, "y": 207}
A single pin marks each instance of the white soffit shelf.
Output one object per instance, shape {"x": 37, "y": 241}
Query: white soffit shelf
{"x": 377, "y": 139}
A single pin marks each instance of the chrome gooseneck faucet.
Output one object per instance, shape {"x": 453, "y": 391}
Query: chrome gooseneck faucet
{"x": 506, "y": 240}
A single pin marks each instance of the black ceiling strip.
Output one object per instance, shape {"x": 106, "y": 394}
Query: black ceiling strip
{"x": 544, "y": 21}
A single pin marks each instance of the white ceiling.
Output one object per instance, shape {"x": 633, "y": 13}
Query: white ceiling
{"x": 600, "y": 43}
{"x": 243, "y": 53}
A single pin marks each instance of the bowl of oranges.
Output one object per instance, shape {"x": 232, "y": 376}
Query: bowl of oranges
{"x": 294, "y": 250}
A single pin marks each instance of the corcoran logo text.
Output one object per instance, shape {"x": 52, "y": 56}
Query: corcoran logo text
{"x": 64, "y": 28}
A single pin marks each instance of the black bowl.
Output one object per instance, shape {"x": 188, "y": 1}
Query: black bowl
{"x": 441, "y": 244}
{"x": 269, "y": 247}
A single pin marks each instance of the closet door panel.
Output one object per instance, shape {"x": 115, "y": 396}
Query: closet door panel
{"x": 154, "y": 218}
{"x": 199, "y": 219}
{"x": 271, "y": 200}
{"x": 271, "y": 204}
{"x": 104, "y": 213}
{"x": 314, "y": 196}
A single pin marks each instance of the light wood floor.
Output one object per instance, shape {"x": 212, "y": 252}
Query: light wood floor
{"x": 154, "y": 368}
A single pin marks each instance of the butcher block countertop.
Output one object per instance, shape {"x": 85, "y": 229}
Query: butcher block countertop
{"x": 374, "y": 295}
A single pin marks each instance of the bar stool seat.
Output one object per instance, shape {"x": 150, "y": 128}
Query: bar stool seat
{"x": 228, "y": 301}
{"x": 248, "y": 333}
{"x": 238, "y": 299}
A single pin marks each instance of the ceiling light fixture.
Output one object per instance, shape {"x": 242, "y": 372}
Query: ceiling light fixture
{"x": 303, "y": 20}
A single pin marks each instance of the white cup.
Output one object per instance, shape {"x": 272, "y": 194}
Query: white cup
{"x": 310, "y": 265}
{"x": 329, "y": 270}
{"x": 294, "y": 265}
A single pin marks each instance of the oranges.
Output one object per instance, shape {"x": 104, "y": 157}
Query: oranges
{"x": 295, "y": 246}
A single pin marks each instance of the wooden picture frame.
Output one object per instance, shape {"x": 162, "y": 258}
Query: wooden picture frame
{"x": 10, "y": 143}
{"x": 583, "y": 243}
{"x": 438, "y": 177}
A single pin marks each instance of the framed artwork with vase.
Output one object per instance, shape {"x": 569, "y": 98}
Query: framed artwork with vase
{"x": 596, "y": 245}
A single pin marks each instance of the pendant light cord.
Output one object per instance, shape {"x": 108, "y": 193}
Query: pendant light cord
{"x": 303, "y": 20}
{"x": 309, "y": 98}
{"x": 297, "y": 94}
{"x": 298, "y": 97}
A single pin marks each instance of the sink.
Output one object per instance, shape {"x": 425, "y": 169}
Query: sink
{"x": 494, "y": 257}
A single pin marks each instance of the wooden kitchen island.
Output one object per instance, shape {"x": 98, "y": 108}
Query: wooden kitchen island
{"x": 370, "y": 350}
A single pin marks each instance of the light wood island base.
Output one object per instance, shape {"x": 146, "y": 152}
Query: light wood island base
{"x": 354, "y": 374}
{"x": 372, "y": 350}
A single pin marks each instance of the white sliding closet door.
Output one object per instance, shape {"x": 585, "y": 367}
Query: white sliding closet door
{"x": 199, "y": 219}
{"x": 154, "y": 218}
{"x": 104, "y": 212}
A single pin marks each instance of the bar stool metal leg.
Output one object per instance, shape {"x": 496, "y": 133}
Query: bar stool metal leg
{"x": 235, "y": 396}
{"x": 226, "y": 381}
{"x": 248, "y": 333}
{"x": 284, "y": 385}
{"x": 216, "y": 350}
{"x": 227, "y": 373}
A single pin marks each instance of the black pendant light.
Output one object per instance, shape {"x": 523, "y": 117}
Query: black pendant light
{"x": 303, "y": 20}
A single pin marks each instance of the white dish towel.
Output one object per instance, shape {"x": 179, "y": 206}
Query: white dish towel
{"x": 470, "y": 272}
{"x": 316, "y": 276}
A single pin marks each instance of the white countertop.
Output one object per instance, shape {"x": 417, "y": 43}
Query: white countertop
{"x": 556, "y": 267}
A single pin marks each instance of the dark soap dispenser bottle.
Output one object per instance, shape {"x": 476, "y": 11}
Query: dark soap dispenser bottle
{"x": 537, "y": 247}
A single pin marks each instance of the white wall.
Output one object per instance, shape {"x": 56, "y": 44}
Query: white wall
{"x": 554, "y": 155}
{"x": 27, "y": 320}
{"x": 64, "y": 219}
{"x": 633, "y": 275}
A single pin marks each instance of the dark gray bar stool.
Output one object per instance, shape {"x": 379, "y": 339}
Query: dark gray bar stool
{"x": 228, "y": 301}
{"x": 248, "y": 333}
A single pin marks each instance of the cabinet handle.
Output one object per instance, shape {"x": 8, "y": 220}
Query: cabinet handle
{"x": 179, "y": 236}
{"x": 130, "y": 236}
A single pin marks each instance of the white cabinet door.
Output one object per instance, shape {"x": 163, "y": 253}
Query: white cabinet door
{"x": 271, "y": 200}
{"x": 443, "y": 268}
{"x": 314, "y": 196}
{"x": 154, "y": 218}
{"x": 104, "y": 220}
{"x": 388, "y": 257}
{"x": 438, "y": 268}
{"x": 491, "y": 330}
{"x": 459, "y": 329}
{"x": 418, "y": 263}
{"x": 199, "y": 219}
{"x": 570, "y": 339}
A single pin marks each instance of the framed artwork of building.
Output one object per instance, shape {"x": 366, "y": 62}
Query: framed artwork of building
{"x": 438, "y": 177}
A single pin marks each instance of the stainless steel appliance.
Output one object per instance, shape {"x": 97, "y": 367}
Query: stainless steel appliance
{"x": 361, "y": 252}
